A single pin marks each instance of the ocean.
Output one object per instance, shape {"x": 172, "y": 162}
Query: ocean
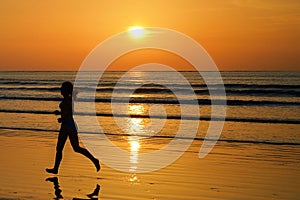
{"x": 262, "y": 106}
{"x": 256, "y": 156}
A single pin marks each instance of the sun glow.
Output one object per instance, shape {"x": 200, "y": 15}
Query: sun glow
{"x": 136, "y": 31}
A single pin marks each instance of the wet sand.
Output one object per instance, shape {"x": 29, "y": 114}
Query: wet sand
{"x": 230, "y": 171}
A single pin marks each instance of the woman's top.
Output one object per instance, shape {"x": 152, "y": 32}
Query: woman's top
{"x": 67, "y": 113}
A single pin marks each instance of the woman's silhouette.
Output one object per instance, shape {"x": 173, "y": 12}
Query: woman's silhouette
{"x": 68, "y": 129}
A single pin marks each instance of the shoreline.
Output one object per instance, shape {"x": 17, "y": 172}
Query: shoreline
{"x": 230, "y": 171}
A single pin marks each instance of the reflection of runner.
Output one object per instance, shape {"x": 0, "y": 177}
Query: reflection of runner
{"x": 68, "y": 129}
{"x": 92, "y": 196}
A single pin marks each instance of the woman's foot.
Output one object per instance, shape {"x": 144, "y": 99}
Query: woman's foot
{"x": 52, "y": 171}
{"x": 97, "y": 164}
{"x": 95, "y": 193}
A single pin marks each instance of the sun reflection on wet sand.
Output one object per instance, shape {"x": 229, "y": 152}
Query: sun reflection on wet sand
{"x": 134, "y": 150}
{"x": 133, "y": 178}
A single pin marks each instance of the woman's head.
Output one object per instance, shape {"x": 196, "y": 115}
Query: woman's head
{"x": 66, "y": 89}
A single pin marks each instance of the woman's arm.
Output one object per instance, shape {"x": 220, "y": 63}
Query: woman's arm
{"x": 57, "y": 112}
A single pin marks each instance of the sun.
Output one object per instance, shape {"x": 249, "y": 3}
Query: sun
{"x": 136, "y": 31}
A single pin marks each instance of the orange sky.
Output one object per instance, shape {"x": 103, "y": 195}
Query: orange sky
{"x": 238, "y": 34}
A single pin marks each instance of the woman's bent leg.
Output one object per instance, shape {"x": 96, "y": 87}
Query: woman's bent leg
{"x": 75, "y": 144}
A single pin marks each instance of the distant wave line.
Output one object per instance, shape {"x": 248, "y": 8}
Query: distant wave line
{"x": 176, "y": 117}
{"x": 158, "y": 90}
{"x": 56, "y": 83}
{"x": 164, "y": 101}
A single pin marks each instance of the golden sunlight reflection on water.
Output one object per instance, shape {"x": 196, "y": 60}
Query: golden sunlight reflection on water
{"x": 135, "y": 125}
{"x": 136, "y": 109}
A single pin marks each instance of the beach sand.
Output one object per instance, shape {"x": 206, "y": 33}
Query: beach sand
{"x": 230, "y": 171}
